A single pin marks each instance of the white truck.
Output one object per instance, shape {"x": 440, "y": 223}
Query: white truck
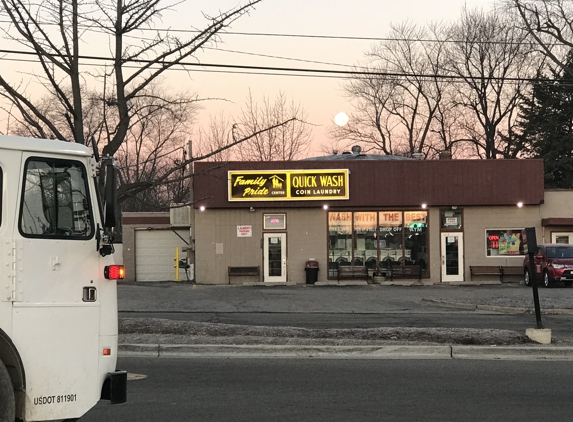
{"x": 58, "y": 281}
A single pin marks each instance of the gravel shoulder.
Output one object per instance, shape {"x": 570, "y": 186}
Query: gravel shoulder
{"x": 164, "y": 331}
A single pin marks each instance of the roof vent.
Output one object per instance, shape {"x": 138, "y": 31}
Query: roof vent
{"x": 446, "y": 155}
{"x": 356, "y": 150}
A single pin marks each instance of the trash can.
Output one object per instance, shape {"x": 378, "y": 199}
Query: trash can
{"x": 311, "y": 269}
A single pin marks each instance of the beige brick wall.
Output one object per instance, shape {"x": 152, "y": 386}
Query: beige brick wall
{"x": 478, "y": 219}
{"x": 218, "y": 247}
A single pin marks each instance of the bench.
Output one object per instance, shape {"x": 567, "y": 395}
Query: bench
{"x": 406, "y": 271}
{"x": 352, "y": 271}
{"x": 486, "y": 270}
{"x": 244, "y": 271}
{"x": 508, "y": 270}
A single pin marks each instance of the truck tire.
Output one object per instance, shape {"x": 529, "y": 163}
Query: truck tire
{"x": 7, "y": 402}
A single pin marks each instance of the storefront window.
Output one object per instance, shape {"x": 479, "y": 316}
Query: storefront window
{"x": 503, "y": 242}
{"x": 369, "y": 238}
{"x": 390, "y": 229}
{"x": 451, "y": 219}
{"x": 340, "y": 239}
{"x": 274, "y": 221}
{"x": 365, "y": 250}
{"x": 416, "y": 238}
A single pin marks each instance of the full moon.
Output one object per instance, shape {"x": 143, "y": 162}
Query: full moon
{"x": 341, "y": 118}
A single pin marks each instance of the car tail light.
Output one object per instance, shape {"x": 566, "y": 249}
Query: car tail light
{"x": 114, "y": 272}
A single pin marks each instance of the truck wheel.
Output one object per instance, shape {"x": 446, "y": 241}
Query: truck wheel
{"x": 546, "y": 280}
{"x": 527, "y": 278}
{"x": 7, "y": 402}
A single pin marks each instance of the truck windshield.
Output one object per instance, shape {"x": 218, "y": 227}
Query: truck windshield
{"x": 55, "y": 200}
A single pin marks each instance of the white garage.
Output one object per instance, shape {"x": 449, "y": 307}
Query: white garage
{"x": 155, "y": 254}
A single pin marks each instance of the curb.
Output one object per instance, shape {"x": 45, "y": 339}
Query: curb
{"x": 348, "y": 352}
{"x": 494, "y": 308}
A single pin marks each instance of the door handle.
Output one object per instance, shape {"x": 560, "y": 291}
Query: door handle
{"x": 89, "y": 294}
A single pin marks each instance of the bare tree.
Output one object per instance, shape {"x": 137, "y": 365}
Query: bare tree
{"x": 55, "y": 30}
{"x": 286, "y": 142}
{"x": 550, "y": 25}
{"x": 494, "y": 60}
{"x": 155, "y": 143}
{"x": 216, "y": 138}
{"x": 58, "y": 52}
{"x": 397, "y": 94}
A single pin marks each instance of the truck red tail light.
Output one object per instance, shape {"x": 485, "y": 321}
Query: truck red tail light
{"x": 114, "y": 272}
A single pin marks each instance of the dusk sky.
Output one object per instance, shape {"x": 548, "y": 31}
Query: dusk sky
{"x": 329, "y": 21}
{"x": 321, "y": 96}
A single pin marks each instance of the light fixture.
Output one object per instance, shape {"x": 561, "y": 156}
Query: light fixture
{"x": 424, "y": 206}
{"x": 202, "y": 208}
{"x": 252, "y": 209}
{"x": 325, "y": 207}
{"x": 454, "y": 207}
{"x": 519, "y": 204}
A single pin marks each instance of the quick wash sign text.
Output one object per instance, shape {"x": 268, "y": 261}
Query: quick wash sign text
{"x": 288, "y": 185}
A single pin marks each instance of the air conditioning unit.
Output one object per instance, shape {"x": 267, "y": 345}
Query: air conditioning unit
{"x": 180, "y": 215}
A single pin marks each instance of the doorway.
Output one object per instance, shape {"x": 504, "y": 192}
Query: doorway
{"x": 274, "y": 257}
{"x": 452, "y": 257}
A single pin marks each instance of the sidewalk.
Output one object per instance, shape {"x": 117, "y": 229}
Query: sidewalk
{"x": 192, "y": 339}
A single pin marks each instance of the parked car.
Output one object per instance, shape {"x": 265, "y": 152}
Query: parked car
{"x": 553, "y": 263}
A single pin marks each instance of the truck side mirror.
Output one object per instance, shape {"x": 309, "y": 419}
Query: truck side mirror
{"x": 110, "y": 194}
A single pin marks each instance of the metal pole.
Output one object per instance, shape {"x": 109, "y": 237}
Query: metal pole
{"x": 535, "y": 292}
{"x": 176, "y": 264}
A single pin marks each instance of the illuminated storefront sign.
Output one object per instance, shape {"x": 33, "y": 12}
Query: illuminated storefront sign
{"x": 288, "y": 185}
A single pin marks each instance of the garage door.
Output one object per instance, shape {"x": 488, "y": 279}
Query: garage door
{"x": 155, "y": 253}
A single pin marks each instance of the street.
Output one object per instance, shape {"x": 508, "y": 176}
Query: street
{"x": 330, "y": 390}
{"x": 351, "y": 307}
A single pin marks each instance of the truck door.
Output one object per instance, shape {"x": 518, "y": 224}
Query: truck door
{"x": 57, "y": 283}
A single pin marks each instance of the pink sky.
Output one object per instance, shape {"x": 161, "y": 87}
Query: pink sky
{"x": 321, "y": 97}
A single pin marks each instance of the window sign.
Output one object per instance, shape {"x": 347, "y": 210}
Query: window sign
{"x": 503, "y": 242}
{"x": 274, "y": 222}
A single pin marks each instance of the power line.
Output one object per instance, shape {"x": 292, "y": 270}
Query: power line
{"x": 314, "y": 36}
{"x": 280, "y": 71}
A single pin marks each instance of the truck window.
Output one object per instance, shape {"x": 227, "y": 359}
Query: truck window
{"x": 55, "y": 201}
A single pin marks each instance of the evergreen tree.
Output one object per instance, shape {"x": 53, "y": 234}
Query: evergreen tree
{"x": 546, "y": 126}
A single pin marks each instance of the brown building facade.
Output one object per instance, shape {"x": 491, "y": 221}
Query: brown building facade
{"x": 377, "y": 216}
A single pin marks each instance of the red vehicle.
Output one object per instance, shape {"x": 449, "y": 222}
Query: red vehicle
{"x": 553, "y": 263}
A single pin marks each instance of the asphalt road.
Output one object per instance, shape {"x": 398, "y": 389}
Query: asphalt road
{"x": 347, "y": 307}
{"x": 332, "y": 390}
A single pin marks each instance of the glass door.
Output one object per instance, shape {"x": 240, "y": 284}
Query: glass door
{"x": 452, "y": 257}
{"x": 274, "y": 257}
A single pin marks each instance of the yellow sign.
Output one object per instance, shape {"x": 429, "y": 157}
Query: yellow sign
{"x": 288, "y": 185}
